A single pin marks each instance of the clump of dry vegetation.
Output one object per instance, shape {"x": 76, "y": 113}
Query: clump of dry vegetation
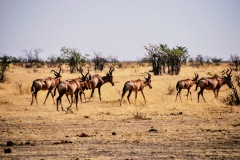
{"x": 170, "y": 90}
{"x": 139, "y": 116}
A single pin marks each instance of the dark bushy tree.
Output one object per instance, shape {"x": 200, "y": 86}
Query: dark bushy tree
{"x": 199, "y": 60}
{"x": 99, "y": 61}
{"x": 74, "y": 58}
{"x": 235, "y": 59}
{"x": 161, "y": 57}
{"x": 216, "y": 60}
{"x": 4, "y": 65}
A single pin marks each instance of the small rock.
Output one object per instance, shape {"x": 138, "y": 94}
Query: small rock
{"x": 7, "y": 150}
{"x": 83, "y": 135}
{"x": 152, "y": 130}
{"x": 114, "y": 133}
{"x": 27, "y": 143}
{"x": 10, "y": 143}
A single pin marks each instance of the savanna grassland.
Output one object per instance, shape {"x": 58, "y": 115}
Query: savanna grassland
{"x": 162, "y": 129}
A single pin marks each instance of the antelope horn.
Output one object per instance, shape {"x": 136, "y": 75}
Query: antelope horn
{"x": 149, "y": 76}
{"x": 54, "y": 72}
{"x": 87, "y": 73}
{"x": 81, "y": 71}
{"x": 111, "y": 70}
{"x": 230, "y": 72}
{"x": 227, "y": 71}
{"x": 60, "y": 70}
{"x": 196, "y": 76}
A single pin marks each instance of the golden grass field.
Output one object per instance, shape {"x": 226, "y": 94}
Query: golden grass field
{"x": 162, "y": 129}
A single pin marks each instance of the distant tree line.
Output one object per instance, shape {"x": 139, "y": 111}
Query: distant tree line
{"x": 199, "y": 60}
{"x": 164, "y": 60}
{"x": 69, "y": 55}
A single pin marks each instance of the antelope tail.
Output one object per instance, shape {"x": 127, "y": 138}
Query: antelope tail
{"x": 177, "y": 86}
{"x": 124, "y": 89}
{"x": 196, "y": 86}
{"x": 32, "y": 88}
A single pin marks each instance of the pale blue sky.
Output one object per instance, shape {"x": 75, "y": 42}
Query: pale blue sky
{"x": 120, "y": 28}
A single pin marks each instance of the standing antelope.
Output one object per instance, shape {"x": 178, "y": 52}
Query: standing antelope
{"x": 72, "y": 87}
{"x": 136, "y": 85}
{"x": 213, "y": 83}
{"x": 97, "y": 81}
{"x": 186, "y": 84}
{"x": 45, "y": 84}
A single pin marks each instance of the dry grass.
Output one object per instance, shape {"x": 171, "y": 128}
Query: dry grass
{"x": 185, "y": 130}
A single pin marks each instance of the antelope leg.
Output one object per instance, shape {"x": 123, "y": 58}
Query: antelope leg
{"x": 99, "y": 93}
{"x": 76, "y": 97}
{"x": 91, "y": 94}
{"x": 47, "y": 96}
{"x": 129, "y": 94}
{"x": 52, "y": 97}
{"x": 136, "y": 92}
{"x": 144, "y": 97}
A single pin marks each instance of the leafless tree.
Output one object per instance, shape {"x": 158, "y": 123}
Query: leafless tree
{"x": 99, "y": 61}
{"x": 236, "y": 60}
{"x": 33, "y": 55}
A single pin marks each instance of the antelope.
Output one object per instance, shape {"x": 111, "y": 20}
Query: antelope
{"x": 213, "y": 83}
{"x": 72, "y": 87}
{"x": 186, "y": 84}
{"x": 136, "y": 85}
{"x": 85, "y": 84}
{"x": 97, "y": 81}
{"x": 45, "y": 84}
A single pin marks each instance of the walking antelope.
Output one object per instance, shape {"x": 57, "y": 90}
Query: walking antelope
{"x": 136, "y": 85}
{"x": 85, "y": 84}
{"x": 214, "y": 83}
{"x": 186, "y": 84}
{"x": 71, "y": 87}
{"x": 97, "y": 81}
{"x": 45, "y": 84}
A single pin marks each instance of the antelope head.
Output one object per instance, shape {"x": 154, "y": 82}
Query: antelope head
{"x": 110, "y": 76}
{"x": 227, "y": 78}
{"x": 85, "y": 78}
{"x": 196, "y": 77}
{"x": 148, "y": 80}
{"x": 57, "y": 74}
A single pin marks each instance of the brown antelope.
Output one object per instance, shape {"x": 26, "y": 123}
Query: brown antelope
{"x": 45, "y": 84}
{"x": 72, "y": 87}
{"x": 97, "y": 81}
{"x": 186, "y": 84}
{"x": 214, "y": 83}
{"x": 85, "y": 83}
{"x": 136, "y": 85}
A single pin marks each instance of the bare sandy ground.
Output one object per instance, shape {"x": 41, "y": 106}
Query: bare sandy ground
{"x": 162, "y": 129}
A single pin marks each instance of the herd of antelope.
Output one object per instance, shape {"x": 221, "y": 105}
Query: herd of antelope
{"x": 75, "y": 87}
{"x": 209, "y": 83}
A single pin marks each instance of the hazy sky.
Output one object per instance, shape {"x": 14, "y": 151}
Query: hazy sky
{"x": 120, "y": 28}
